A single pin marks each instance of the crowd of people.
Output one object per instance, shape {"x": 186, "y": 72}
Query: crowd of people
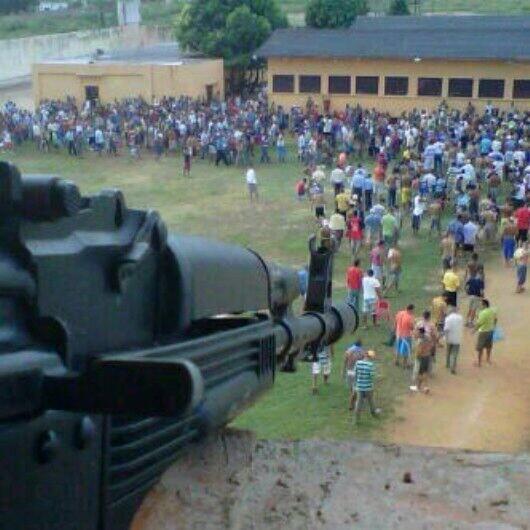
{"x": 464, "y": 173}
{"x": 468, "y": 178}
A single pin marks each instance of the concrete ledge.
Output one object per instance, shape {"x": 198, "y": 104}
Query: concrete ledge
{"x": 236, "y": 482}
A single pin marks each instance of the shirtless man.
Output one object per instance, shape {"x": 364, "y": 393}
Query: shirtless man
{"x": 508, "y": 234}
{"x": 394, "y": 268}
{"x": 448, "y": 248}
{"x": 435, "y": 212}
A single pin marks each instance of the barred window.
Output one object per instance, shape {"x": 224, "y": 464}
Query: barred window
{"x": 339, "y": 84}
{"x": 396, "y": 86}
{"x": 460, "y": 87}
{"x": 283, "y": 83}
{"x": 491, "y": 88}
{"x": 309, "y": 84}
{"x": 366, "y": 85}
{"x": 521, "y": 88}
{"x": 429, "y": 86}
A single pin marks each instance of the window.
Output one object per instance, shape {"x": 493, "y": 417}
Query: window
{"x": 429, "y": 86}
{"x": 91, "y": 93}
{"x": 366, "y": 85}
{"x": 339, "y": 84}
{"x": 521, "y": 88}
{"x": 283, "y": 83}
{"x": 396, "y": 86}
{"x": 491, "y": 88}
{"x": 309, "y": 84}
{"x": 460, "y": 87}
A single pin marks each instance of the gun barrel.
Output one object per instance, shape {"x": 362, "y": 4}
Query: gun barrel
{"x": 294, "y": 333}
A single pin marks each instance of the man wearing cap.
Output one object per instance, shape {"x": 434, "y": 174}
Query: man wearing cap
{"x": 364, "y": 384}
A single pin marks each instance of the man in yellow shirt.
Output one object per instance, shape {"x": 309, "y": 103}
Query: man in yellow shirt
{"x": 438, "y": 311}
{"x": 337, "y": 225}
{"x": 342, "y": 201}
{"x": 485, "y": 325}
{"x": 451, "y": 283}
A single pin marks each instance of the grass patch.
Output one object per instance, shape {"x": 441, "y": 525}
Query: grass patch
{"x": 214, "y": 203}
{"x": 28, "y": 24}
{"x": 296, "y": 8}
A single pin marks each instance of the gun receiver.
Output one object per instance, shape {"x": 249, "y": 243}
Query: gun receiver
{"x": 121, "y": 344}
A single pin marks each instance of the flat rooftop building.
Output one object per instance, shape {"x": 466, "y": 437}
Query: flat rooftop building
{"x": 151, "y": 72}
{"x": 396, "y": 63}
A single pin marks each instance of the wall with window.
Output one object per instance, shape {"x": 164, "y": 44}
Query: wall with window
{"x": 401, "y": 85}
{"x": 119, "y": 80}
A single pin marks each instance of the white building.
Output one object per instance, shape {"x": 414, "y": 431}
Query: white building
{"x": 129, "y": 12}
{"x": 52, "y": 6}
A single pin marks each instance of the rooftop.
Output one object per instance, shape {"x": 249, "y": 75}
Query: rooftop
{"x": 407, "y": 37}
{"x": 166, "y": 53}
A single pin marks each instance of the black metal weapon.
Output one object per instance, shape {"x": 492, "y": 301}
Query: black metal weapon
{"x": 120, "y": 345}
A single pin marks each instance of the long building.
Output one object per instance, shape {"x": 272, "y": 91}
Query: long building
{"x": 399, "y": 63}
{"x": 150, "y": 72}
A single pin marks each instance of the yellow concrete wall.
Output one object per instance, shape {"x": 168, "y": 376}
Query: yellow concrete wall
{"x": 382, "y": 68}
{"x": 118, "y": 81}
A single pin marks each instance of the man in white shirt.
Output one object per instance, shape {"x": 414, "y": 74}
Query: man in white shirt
{"x": 252, "y": 183}
{"x": 337, "y": 179}
{"x": 371, "y": 293}
{"x": 417, "y": 212}
{"x": 453, "y": 331}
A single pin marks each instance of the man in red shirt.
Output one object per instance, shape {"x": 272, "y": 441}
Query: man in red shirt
{"x": 522, "y": 216}
{"x": 354, "y": 279}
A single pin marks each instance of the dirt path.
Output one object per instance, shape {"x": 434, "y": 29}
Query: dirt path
{"x": 481, "y": 409}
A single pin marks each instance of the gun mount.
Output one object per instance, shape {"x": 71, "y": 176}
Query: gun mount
{"x": 121, "y": 344}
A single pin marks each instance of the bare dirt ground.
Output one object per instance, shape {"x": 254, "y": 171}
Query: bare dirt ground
{"x": 234, "y": 482}
{"x": 483, "y": 409}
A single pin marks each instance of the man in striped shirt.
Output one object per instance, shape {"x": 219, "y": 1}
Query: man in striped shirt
{"x": 364, "y": 384}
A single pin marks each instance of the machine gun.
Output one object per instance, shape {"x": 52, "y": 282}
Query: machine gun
{"x": 120, "y": 345}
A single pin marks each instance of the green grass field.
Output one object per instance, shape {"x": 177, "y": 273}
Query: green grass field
{"x": 214, "y": 203}
{"x": 155, "y": 13}
{"x": 435, "y": 6}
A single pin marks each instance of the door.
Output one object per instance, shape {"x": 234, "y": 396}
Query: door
{"x": 209, "y": 93}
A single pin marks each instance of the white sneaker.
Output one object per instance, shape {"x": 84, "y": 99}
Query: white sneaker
{"x": 413, "y": 388}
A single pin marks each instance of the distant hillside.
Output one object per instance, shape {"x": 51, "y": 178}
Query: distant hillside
{"x": 295, "y": 8}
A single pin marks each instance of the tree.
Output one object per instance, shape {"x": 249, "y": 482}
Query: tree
{"x": 399, "y": 7}
{"x": 334, "y": 13}
{"x": 233, "y": 30}
{"x": 16, "y": 6}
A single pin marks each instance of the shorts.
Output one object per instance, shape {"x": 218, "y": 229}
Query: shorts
{"x": 369, "y": 305}
{"x": 508, "y": 247}
{"x": 484, "y": 340}
{"x": 522, "y": 235}
{"x": 475, "y": 303}
{"x": 404, "y": 346}
{"x": 521, "y": 274}
{"x": 252, "y": 188}
{"x": 453, "y": 349}
{"x": 338, "y": 187}
{"x": 350, "y": 379}
{"x": 321, "y": 367}
{"x": 424, "y": 365}
{"x": 450, "y": 298}
{"x": 394, "y": 276}
{"x": 320, "y": 211}
{"x": 378, "y": 271}
{"x": 469, "y": 247}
